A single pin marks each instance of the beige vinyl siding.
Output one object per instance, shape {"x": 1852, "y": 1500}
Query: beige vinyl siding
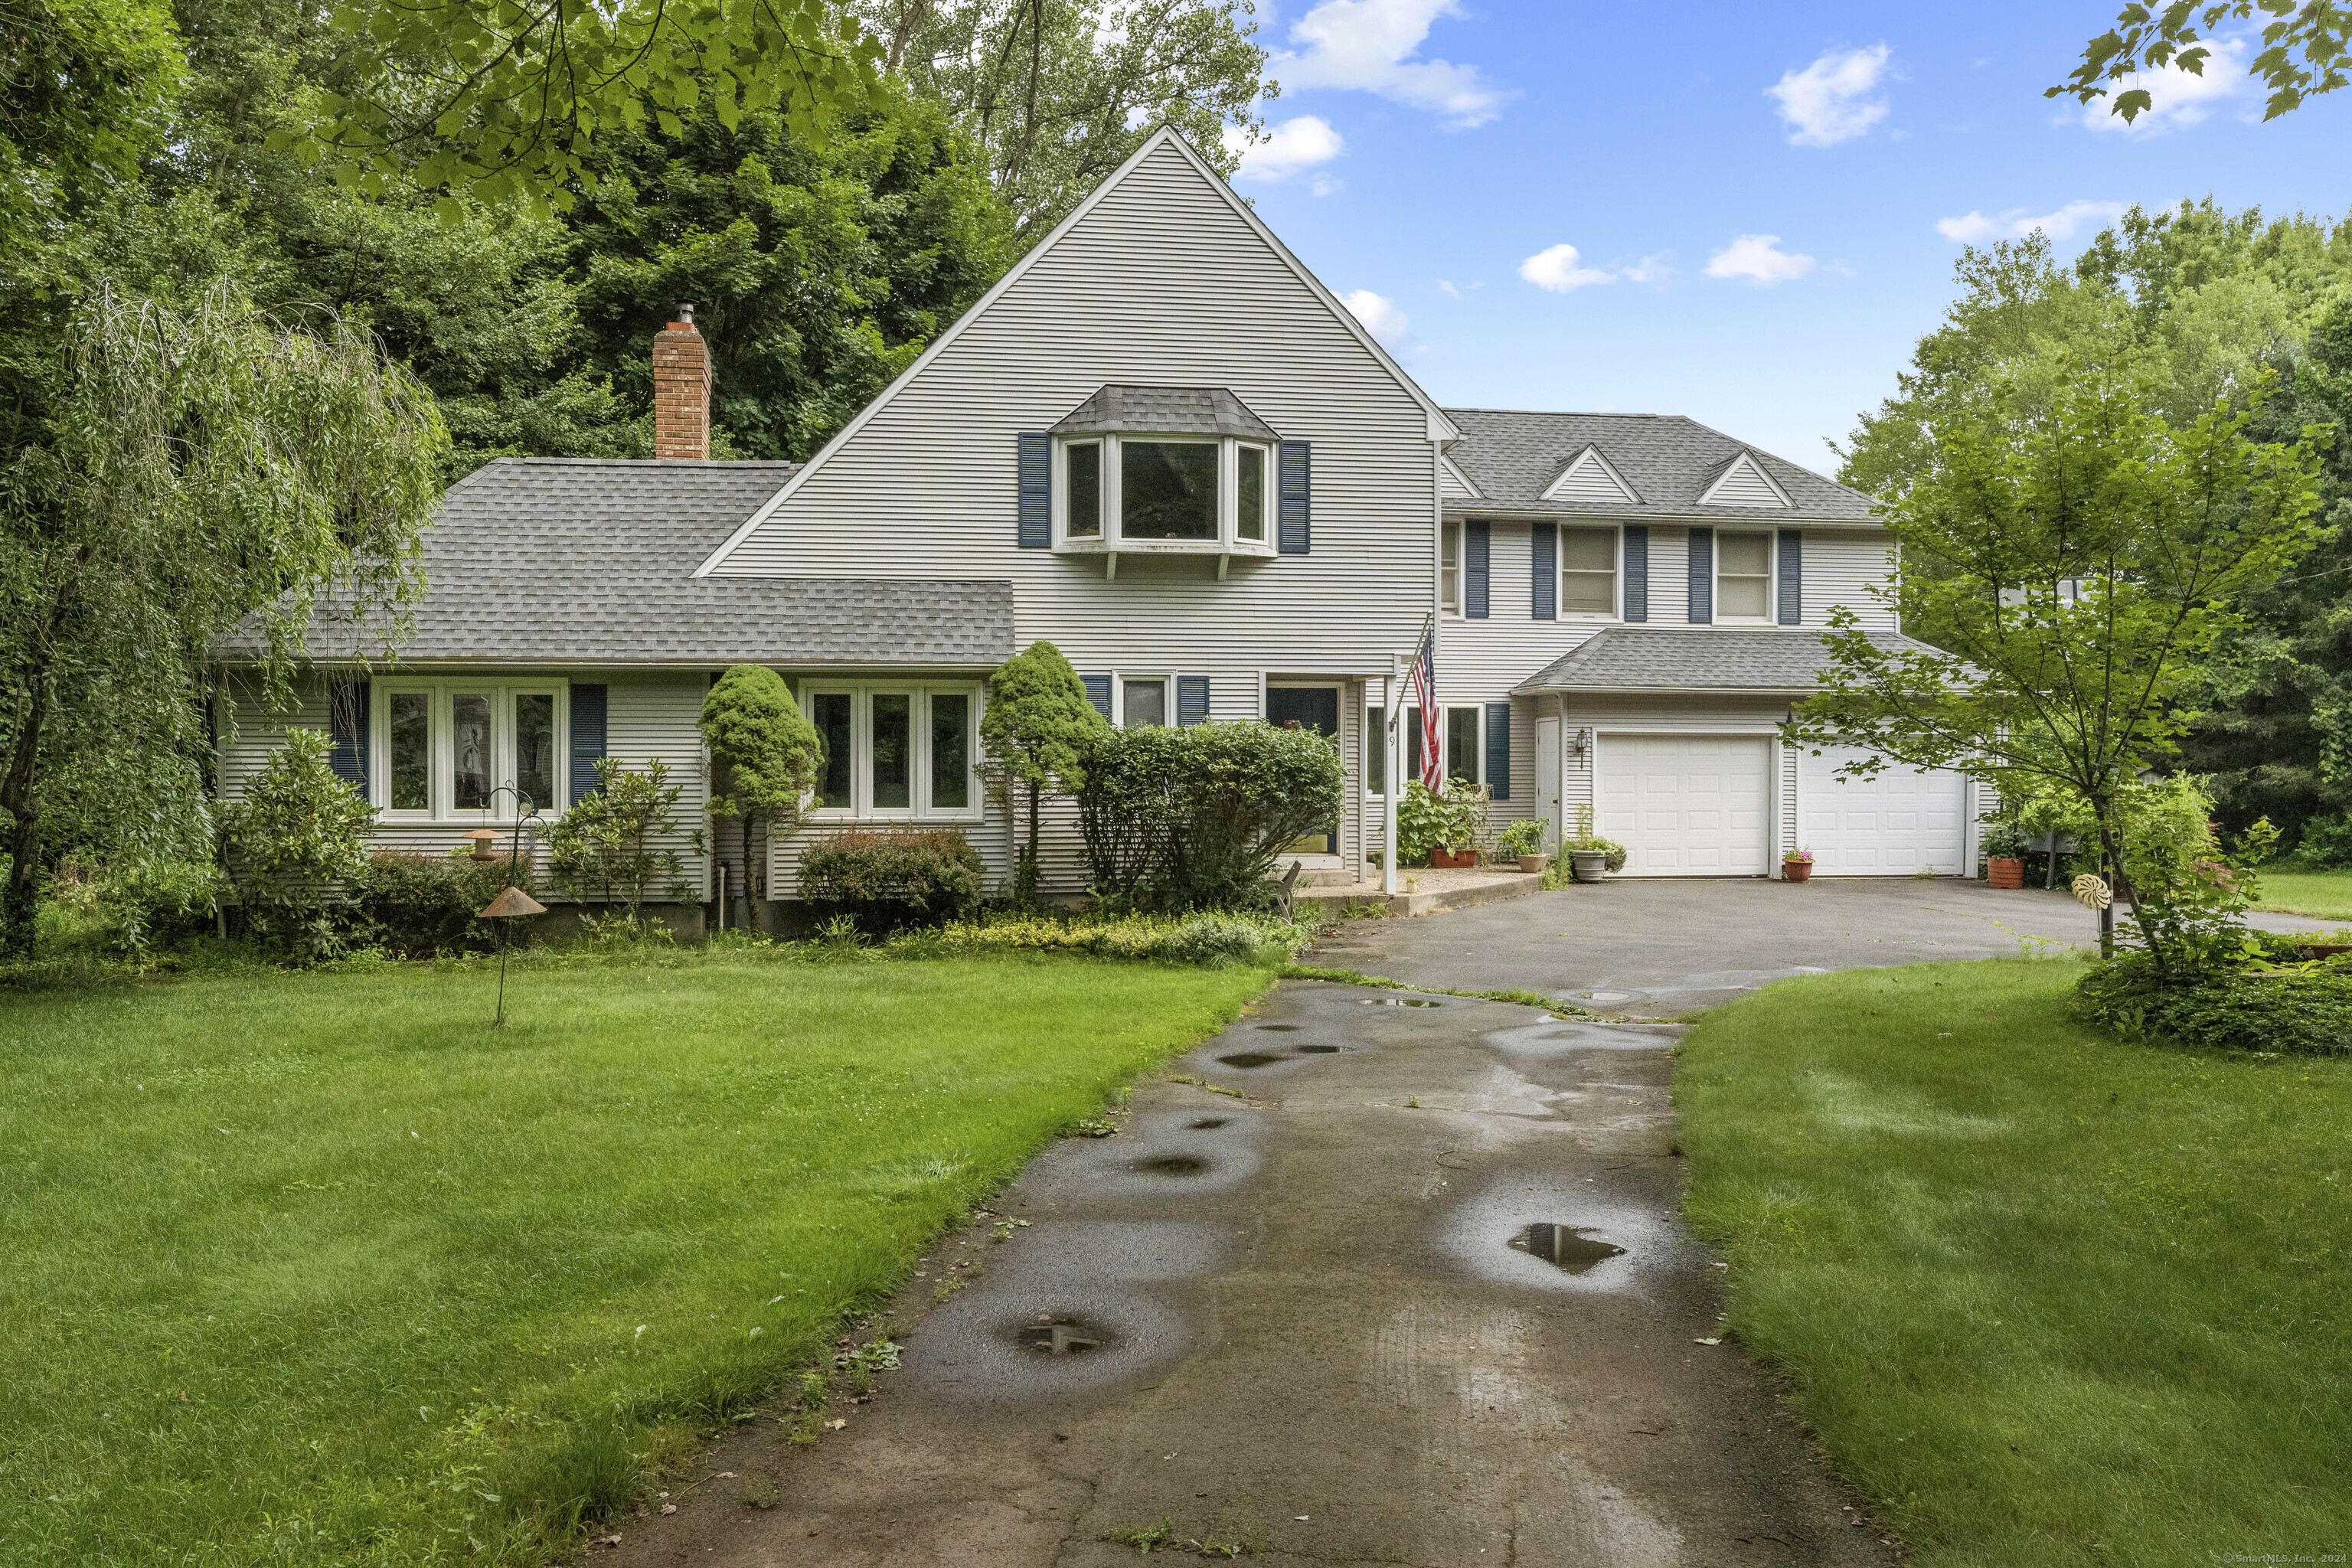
{"x": 1159, "y": 283}
{"x": 650, "y": 717}
{"x": 1839, "y": 568}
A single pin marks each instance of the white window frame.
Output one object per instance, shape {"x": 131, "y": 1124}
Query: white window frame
{"x": 1113, "y": 539}
{"x": 861, "y": 750}
{"x": 1166, "y": 682}
{"x": 1449, "y": 572}
{"x": 1771, "y": 576}
{"x": 1616, "y": 611}
{"x": 441, "y": 744}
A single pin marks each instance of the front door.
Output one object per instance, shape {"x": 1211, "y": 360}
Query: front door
{"x": 1315, "y": 708}
{"x": 1548, "y": 773}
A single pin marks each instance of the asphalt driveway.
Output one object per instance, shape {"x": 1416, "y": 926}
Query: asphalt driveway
{"x": 1394, "y": 1280}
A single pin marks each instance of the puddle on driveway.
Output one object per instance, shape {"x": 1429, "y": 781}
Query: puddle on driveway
{"x": 1318, "y": 1051}
{"x": 1566, "y": 1245}
{"x": 1171, "y": 1165}
{"x": 1282, "y": 1028}
{"x": 1206, "y": 1122}
{"x": 1396, "y": 1002}
{"x": 1061, "y": 1336}
{"x": 1604, "y": 995}
{"x": 1250, "y": 1059}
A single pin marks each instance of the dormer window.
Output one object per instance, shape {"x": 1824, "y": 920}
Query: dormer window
{"x": 1142, "y": 469}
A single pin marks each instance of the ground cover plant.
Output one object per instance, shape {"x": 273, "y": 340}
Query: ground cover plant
{"x": 2047, "y": 1297}
{"x": 317, "y": 1268}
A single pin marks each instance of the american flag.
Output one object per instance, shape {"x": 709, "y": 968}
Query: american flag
{"x": 1425, "y": 692}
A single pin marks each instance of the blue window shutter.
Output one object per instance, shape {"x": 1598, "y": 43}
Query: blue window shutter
{"x": 1498, "y": 751}
{"x": 587, "y": 738}
{"x": 347, "y": 732}
{"x": 1036, "y": 485}
{"x": 1792, "y": 577}
{"x": 1544, "y": 545}
{"x": 1637, "y": 572}
{"x": 1098, "y": 692}
{"x": 1191, "y": 700}
{"x": 1293, "y": 529}
{"x": 1702, "y": 576}
{"x": 1477, "y": 538}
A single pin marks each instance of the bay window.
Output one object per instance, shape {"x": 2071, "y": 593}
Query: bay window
{"x": 896, "y": 751}
{"x": 1136, "y": 492}
{"x": 442, "y": 748}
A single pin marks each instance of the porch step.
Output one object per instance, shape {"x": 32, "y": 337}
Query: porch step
{"x": 1434, "y": 890}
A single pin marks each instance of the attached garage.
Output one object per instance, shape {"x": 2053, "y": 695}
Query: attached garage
{"x": 1898, "y": 822}
{"x": 1686, "y": 806}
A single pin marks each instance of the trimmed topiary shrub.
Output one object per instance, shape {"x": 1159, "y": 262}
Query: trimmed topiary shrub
{"x": 889, "y": 879}
{"x": 1197, "y": 818}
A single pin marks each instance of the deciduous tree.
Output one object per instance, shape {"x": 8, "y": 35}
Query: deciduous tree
{"x": 1039, "y": 731}
{"x": 766, "y": 753}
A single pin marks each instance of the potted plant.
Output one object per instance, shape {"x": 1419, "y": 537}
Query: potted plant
{"x": 1452, "y": 822}
{"x": 2005, "y": 843}
{"x": 1593, "y": 856}
{"x": 1797, "y": 865}
{"x": 1523, "y": 841}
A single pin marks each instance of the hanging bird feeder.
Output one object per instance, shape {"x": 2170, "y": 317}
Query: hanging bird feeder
{"x": 485, "y": 841}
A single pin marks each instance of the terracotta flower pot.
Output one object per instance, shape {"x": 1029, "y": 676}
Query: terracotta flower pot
{"x": 2003, "y": 872}
{"x": 1448, "y": 861}
{"x": 1797, "y": 870}
{"x": 1531, "y": 864}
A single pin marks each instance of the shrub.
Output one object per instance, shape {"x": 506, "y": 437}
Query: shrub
{"x": 1453, "y": 818}
{"x": 885, "y": 880}
{"x": 2306, "y": 1009}
{"x": 298, "y": 834}
{"x": 766, "y": 756}
{"x": 1525, "y": 837}
{"x": 420, "y": 905}
{"x": 1196, "y": 818}
{"x": 1209, "y": 938}
{"x": 150, "y": 906}
{"x": 614, "y": 847}
{"x": 2326, "y": 842}
{"x": 1039, "y": 731}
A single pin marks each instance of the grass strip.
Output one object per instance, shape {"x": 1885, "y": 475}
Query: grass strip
{"x": 2322, "y": 895}
{"x": 320, "y": 1268}
{"x": 2047, "y": 1297}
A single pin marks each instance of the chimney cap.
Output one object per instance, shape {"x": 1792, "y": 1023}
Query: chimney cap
{"x": 685, "y": 315}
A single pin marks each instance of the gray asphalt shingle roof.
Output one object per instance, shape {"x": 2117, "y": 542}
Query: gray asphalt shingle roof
{"x": 574, "y": 561}
{"x": 1696, "y": 658}
{"x": 1165, "y": 410}
{"x": 1670, "y": 461}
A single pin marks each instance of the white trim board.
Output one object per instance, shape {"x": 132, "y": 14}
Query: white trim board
{"x": 1441, "y": 430}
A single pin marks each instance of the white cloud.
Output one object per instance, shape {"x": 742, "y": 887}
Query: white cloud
{"x": 1369, "y": 45}
{"x": 2175, "y": 98}
{"x": 1829, "y": 102}
{"x": 1758, "y": 257}
{"x": 1649, "y": 269}
{"x": 1980, "y": 229}
{"x": 1289, "y": 148}
{"x": 1556, "y": 270}
{"x": 1380, "y": 315}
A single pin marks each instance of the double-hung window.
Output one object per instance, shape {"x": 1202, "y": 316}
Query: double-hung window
{"x": 1449, "y": 568}
{"x": 904, "y": 751}
{"x": 1743, "y": 576}
{"x": 1588, "y": 570}
{"x": 458, "y": 748}
{"x": 1143, "y": 701}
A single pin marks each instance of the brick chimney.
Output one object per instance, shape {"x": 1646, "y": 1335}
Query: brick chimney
{"x": 681, "y": 390}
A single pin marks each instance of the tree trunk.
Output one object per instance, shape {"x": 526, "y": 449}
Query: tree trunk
{"x": 18, "y": 906}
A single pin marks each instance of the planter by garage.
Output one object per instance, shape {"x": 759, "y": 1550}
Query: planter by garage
{"x": 1589, "y": 865}
{"x": 1797, "y": 870}
{"x": 2003, "y": 872}
{"x": 1448, "y": 861}
{"x": 1531, "y": 864}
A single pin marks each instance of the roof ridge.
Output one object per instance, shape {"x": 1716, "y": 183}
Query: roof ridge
{"x": 1573, "y": 414}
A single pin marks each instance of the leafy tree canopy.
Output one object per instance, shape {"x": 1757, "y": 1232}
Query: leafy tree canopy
{"x": 85, "y": 86}
{"x": 2307, "y": 50}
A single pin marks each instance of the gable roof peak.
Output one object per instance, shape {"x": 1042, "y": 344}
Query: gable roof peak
{"x": 1744, "y": 480}
{"x": 1590, "y": 478}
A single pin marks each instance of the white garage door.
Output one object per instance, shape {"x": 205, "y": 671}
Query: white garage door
{"x": 1900, "y": 822}
{"x": 1685, "y": 806}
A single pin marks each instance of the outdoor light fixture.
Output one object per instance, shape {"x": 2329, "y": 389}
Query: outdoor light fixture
{"x": 1579, "y": 740}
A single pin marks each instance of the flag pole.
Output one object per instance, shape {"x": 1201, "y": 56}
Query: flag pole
{"x": 1388, "y": 689}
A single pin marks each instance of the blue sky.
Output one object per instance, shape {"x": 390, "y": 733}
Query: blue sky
{"x": 1746, "y": 213}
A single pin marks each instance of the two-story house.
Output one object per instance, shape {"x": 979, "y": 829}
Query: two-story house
{"x": 1161, "y": 443}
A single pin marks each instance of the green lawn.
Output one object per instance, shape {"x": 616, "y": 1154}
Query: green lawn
{"x": 2052, "y": 1298}
{"x": 2323, "y": 895}
{"x": 319, "y": 1269}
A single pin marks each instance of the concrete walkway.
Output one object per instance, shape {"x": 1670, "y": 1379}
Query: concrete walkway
{"x": 1323, "y": 1317}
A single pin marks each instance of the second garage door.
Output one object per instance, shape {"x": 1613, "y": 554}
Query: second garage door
{"x": 1899, "y": 823}
{"x": 1686, "y": 806}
